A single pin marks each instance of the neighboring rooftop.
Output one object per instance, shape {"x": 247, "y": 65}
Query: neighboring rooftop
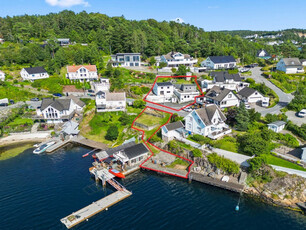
{"x": 222, "y": 76}
{"x": 207, "y": 113}
{"x": 115, "y": 96}
{"x": 277, "y": 123}
{"x": 246, "y": 92}
{"x": 217, "y": 93}
{"x": 71, "y": 88}
{"x": 163, "y": 83}
{"x": 74, "y": 68}
{"x": 135, "y": 150}
{"x": 59, "y": 104}
{"x": 222, "y": 59}
{"x": 35, "y": 70}
{"x": 174, "y": 125}
{"x": 169, "y": 56}
{"x": 292, "y": 61}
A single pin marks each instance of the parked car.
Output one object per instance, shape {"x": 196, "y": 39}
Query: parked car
{"x": 265, "y": 102}
{"x": 35, "y": 99}
{"x": 12, "y": 102}
{"x": 188, "y": 109}
{"x": 57, "y": 94}
{"x": 91, "y": 91}
{"x": 302, "y": 113}
{"x": 247, "y": 106}
{"x": 243, "y": 70}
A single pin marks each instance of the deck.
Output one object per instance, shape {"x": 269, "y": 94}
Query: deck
{"x": 94, "y": 208}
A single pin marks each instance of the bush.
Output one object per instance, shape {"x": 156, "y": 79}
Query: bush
{"x": 256, "y": 163}
{"x": 140, "y": 104}
{"x": 226, "y": 165}
{"x": 112, "y": 133}
{"x": 201, "y": 139}
{"x": 155, "y": 139}
{"x": 288, "y": 140}
{"x": 299, "y": 131}
{"x": 197, "y": 153}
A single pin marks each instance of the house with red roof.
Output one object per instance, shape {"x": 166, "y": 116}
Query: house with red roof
{"x": 82, "y": 72}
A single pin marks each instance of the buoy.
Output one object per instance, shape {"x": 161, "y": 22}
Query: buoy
{"x": 237, "y": 208}
{"x": 86, "y": 219}
{"x": 106, "y": 209}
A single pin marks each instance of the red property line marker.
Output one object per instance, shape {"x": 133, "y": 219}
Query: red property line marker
{"x": 195, "y": 98}
{"x": 147, "y": 143}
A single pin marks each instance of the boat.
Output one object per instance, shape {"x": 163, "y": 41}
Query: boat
{"x": 43, "y": 147}
{"x": 116, "y": 173}
{"x": 94, "y": 156}
{"x": 85, "y": 155}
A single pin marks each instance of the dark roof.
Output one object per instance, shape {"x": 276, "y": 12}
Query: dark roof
{"x": 119, "y": 148}
{"x": 186, "y": 87}
{"x": 135, "y": 150}
{"x": 100, "y": 93}
{"x": 77, "y": 100}
{"x": 125, "y": 54}
{"x": 224, "y": 75}
{"x": 216, "y": 93}
{"x": 59, "y": 104}
{"x": 163, "y": 83}
{"x": 174, "y": 125}
{"x": 278, "y": 123}
{"x": 34, "y": 70}
{"x": 207, "y": 113}
{"x": 222, "y": 59}
{"x": 246, "y": 92}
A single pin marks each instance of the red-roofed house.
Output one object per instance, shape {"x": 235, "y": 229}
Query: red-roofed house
{"x": 82, "y": 72}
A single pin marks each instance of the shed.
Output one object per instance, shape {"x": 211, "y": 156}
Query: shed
{"x": 277, "y": 126}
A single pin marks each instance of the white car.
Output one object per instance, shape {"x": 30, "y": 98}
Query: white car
{"x": 265, "y": 102}
{"x": 247, "y": 106}
{"x": 302, "y": 113}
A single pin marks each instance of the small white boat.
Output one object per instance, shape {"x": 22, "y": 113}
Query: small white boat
{"x": 43, "y": 147}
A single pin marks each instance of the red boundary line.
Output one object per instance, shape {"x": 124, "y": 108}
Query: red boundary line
{"x": 195, "y": 98}
{"x": 147, "y": 143}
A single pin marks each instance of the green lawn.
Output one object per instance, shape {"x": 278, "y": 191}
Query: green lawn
{"x": 273, "y": 160}
{"x": 149, "y": 120}
{"x": 131, "y": 109}
{"x": 15, "y": 93}
{"x": 178, "y": 161}
{"x": 227, "y": 143}
{"x": 21, "y": 121}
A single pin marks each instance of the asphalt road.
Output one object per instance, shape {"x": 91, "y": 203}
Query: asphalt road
{"x": 284, "y": 98}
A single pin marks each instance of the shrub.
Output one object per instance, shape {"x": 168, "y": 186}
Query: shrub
{"x": 201, "y": 139}
{"x": 226, "y": 165}
{"x": 197, "y": 153}
{"x": 112, "y": 133}
{"x": 140, "y": 104}
{"x": 299, "y": 131}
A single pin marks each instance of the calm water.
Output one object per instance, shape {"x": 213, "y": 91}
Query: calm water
{"x": 36, "y": 191}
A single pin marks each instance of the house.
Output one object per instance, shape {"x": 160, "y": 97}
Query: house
{"x": 263, "y": 54}
{"x": 174, "y": 59}
{"x": 2, "y": 76}
{"x": 70, "y": 128}
{"x": 164, "y": 89}
{"x": 33, "y": 73}
{"x": 277, "y": 126}
{"x": 63, "y": 41}
{"x": 172, "y": 130}
{"x": 186, "y": 92}
{"x": 82, "y": 72}
{"x": 126, "y": 59}
{"x": 72, "y": 90}
{"x": 222, "y": 97}
{"x": 290, "y": 65}
{"x": 207, "y": 121}
{"x": 129, "y": 154}
{"x": 108, "y": 102}
{"x": 4, "y": 102}
{"x": 250, "y": 95}
{"x": 219, "y": 62}
{"x": 303, "y": 62}
{"x": 103, "y": 85}
{"x": 59, "y": 110}
{"x": 224, "y": 80}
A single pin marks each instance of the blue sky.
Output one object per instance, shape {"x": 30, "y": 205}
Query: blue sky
{"x": 208, "y": 14}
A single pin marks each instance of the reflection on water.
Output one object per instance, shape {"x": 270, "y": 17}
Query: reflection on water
{"x": 38, "y": 190}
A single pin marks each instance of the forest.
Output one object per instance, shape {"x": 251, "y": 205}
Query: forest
{"x": 25, "y": 36}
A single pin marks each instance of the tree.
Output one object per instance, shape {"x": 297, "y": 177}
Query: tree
{"x": 256, "y": 163}
{"x": 242, "y": 118}
{"x": 125, "y": 119}
{"x": 140, "y": 104}
{"x": 182, "y": 70}
{"x": 112, "y": 133}
{"x": 152, "y": 61}
{"x": 162, "y": 65}
{"x": 253, "y": 144}
{"x": 196, "y": 153}
{"x": 254, "y": 116}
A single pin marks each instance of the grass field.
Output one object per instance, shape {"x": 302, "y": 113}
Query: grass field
{"x": 149, "y": 120}
{"x": 273, "y": 160}
{"x": 21, "y": 121}
{"x": 227, "y": 143}
{"x": 7, "y": 152}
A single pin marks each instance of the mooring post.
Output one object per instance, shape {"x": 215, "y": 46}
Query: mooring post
{"x": 190, "y": 178}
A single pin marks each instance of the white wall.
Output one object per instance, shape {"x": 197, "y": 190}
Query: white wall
{"x": 32, "y": 77}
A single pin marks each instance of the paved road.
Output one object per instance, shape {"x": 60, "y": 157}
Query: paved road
{"x": 295, "y": 119}
{"x": 284, "y": 98}
{"x": 180, "y": 113}
{"x": 290, "y": 171}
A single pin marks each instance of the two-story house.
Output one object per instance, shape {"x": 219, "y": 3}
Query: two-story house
{"x": 108, "y": 102}
{"x": 290, "y": 65}
{"x": 58, "y": 110}
{"x": 2, "y": 76}
{"x": 250, "y": 95}
{"x": 103, "y": 85}
{"x": 219, "y": 62}
{"x": 82, "y": 72}
{"x": 207, "y": 121}
{"x": 33, "y": 73}
{"x": 222, "y": 97}
{"x": 125, "y": 59}
{"x": 174, "y": 59}
{"x": 186, "y": 92}
{"x": 164, "y": 89}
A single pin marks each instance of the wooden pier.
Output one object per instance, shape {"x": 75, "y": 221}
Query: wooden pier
{"x": 94, "y": 208}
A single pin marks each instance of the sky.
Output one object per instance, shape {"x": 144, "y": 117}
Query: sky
{"x": 211, "y": 15}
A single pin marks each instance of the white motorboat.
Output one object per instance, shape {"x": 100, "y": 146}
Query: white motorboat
{"x": 43, "y": 147}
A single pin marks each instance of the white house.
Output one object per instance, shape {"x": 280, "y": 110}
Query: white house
{"x": 2, "y": 76}
{"x": 174, "y": 59}
{"x": 250, "y": 95}
{"x": 108, "y": 102}
{"x": 263, "y": 54}
{"x": 172, "y": 130}
{"x": 290, "y": 65}
{"x": 224, "y": 80}
{"x": 303, "y": 62}
{"x": 125, "y": 59}
{"x": 186, "y": 92}
{"x": 33, "y": 73}
{"x": 82, "y": 72}
{"x": 59, "y": 110}
{"x": 103, "y": 85}
{"x": 219, "y": 62}
{"x": 164, "y": 89}
{"x": 277, "y": 126}
{"x": 222, "y": 97}
{"x": 207, "y": 121}
{"x": 63, "y": 41}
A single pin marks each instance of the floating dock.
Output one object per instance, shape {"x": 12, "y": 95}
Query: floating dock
{"x": 83, "y": 214}
{"x": 94, "y": 208}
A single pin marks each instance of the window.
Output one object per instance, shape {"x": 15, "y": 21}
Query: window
{"x": 230, "y": 96}
{"x": 168, "y": 91}
{"x": 161, "y": 87}
{"x": 198, "y": 129}
{"x": 189, "y": 126}
{"x": 127, "y": 58}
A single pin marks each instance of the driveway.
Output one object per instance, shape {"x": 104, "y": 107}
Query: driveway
{"x": 295, "y": 119}
{"x": 284, "y": 98}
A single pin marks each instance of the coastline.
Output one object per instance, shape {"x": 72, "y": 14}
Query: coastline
{"x": 12, "y": 150}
